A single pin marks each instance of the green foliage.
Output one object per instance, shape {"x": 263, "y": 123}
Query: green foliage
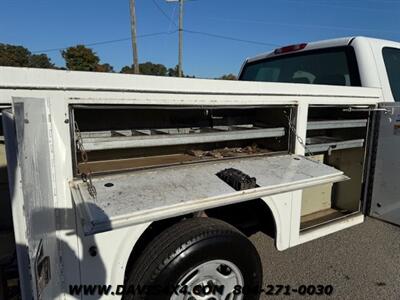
{"x": 127, "y": 70}
{"x": 80, "y": 58}
{"x": 173, "y": 72}
{"x": 229, "y": 76}
{"x": 14, "y": 56}
{"x": 19, "y": 56}
{"x": 40, "y": 61}
{"x": 104, "y": 68}
{"x": 147, "y": 68}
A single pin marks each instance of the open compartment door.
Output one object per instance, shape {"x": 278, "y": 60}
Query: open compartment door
{"x": 383, "y": 192}
{"x": 31, "y": 168}
{"x": 154, "y": 194}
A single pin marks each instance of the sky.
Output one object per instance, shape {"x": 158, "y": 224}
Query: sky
{"x": 219, "y": 34}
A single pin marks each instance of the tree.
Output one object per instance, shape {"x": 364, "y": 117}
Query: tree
{"x": 173, "y": 72}
{"x": 104, "y": 68}
{"x": 80, "y": 58}
{"x": 229, "y": 76}
{"x": 147, "y": 68}
{"x": 14, "y": 56}
{"x": 40, "y": 61}
{"x": 19, "y": 56}
{"x": 127, "y": 70}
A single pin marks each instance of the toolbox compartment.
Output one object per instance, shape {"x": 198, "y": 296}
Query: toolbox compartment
{"x": 336, "y": 136}
{"x": 182, "y": 152}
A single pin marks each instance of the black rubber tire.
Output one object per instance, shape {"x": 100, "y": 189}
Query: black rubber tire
{"x": 188, "y": 244}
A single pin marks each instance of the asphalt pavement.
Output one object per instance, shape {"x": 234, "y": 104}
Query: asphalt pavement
{"x": 362, "y": 262}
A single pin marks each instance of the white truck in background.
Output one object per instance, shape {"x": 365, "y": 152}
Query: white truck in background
{"x": 126, "y": 181}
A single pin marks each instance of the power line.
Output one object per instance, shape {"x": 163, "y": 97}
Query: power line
{"x": 355, "y": 1}
{"x": 172, "y": 18}
{"x": 164, "y": 33}
{"x": 163, "y": 12}
{"x": 230, "y": 38}
{"x": 108, "y": 41}
{"x": 329, "y": 4}
{"x": 297, "y": 24}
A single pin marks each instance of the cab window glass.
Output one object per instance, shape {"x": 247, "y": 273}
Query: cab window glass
{"x": 332, "y": 66}
{"x": 391, "y": 56}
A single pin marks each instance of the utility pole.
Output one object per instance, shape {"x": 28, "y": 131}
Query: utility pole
{"x": 180, "y": 58}
{"x": 133, "y": 34}
{"x": 180, "y": 50}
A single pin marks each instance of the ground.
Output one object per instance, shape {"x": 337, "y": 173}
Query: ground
{"x": 362, "y": 262}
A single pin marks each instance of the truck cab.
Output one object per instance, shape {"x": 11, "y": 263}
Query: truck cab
{"x": 351, "y": 61}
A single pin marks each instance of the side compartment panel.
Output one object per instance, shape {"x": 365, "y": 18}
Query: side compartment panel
{"x": 385, "y": 201}
{"x": 35, "y": 159}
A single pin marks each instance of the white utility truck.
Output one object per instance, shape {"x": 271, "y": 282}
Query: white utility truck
{"x": 139, "y": 184}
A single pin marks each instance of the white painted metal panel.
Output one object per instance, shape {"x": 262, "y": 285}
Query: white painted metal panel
{"x": 39, "y": 79}
{"x": 35, "y": 158}
{"x": 143, "y": 196}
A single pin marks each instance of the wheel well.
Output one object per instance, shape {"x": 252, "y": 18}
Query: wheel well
{"x": 249, "y": 217}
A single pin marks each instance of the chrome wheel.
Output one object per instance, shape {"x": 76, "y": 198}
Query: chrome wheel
{"x": 212, "y": 280}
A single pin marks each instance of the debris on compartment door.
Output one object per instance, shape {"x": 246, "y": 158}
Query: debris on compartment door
{"x": 237, "y": 179}
{"x": 227, "y": 151}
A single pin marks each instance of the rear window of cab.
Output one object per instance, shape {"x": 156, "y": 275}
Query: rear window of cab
{"x": 331, "y": 66}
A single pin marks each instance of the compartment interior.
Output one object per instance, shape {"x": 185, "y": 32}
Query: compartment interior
{"x": 120, "y": 138}
{"x": 125, "y": 138}
{"x": 336, "y": 136}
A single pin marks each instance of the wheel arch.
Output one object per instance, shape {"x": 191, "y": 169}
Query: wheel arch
{"x": 268, "y": 209}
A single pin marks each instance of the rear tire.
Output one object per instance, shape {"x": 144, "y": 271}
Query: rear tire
{"x": 196, "y": 255}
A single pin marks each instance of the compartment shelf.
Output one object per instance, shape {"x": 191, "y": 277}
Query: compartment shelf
{"x": 335, "y": 124}
{"x": 168, "y": 137}
{"x": 321, "y": 217}
{"x": 324, "y": 143}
